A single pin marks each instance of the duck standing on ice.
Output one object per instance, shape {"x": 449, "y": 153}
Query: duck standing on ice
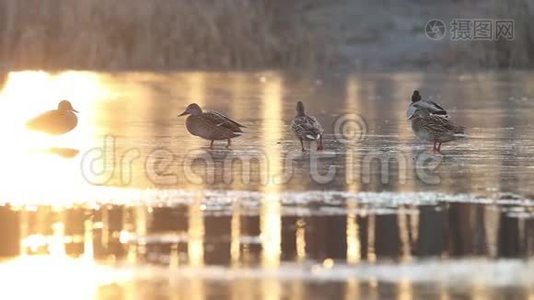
{"x": 210, "y": 125}
{"x": 307, "y": 128}
{"x": 431, "y": 123}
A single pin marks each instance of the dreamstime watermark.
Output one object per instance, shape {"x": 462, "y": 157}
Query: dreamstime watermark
{"x": 471, "y": 29}
{"x": 163, "y": 166}
{"x": 350, "y": 128}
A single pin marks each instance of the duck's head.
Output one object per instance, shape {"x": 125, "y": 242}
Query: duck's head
{"x": 300, "y": 108}
{"x": 192, "y": 109}
{"x": 65, "y": 105}
{"x": 416, "y": 96}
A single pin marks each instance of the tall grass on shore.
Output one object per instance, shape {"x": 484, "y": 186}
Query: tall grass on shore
{"x": 133, "y": 34}
{"x": 520, "y": 53}
{"x": 250, "y": 34}
{"x": 501, "y": 54}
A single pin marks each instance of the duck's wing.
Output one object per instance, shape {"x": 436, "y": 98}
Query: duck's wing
{"x": 49, "y": 122}
{"x": 427, "y": 105}
{"x": 306, "y": 127}
{"x": 206, "y": 127}
{"x": 222, "y": 121}
{"x": 41, "y": 120}
{"x": 441, "y": 125}
{"x": 53, "y": 122}
{"x": 436, "y": 108}
{"x": 315, "y": 123}
{"x": 435, "y": 105}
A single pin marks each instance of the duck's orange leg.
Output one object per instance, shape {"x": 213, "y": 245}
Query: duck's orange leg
{"x": 320, "y": 146}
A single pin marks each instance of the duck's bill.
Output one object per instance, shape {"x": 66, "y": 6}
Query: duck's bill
{"x": 183, "y": 114}
{"x": 75, "y": 111}
{"x": 410, "y": 112}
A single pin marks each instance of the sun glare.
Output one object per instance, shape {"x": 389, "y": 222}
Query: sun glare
{"x": 49, "y": 164}
{"x": 58, "y": 276}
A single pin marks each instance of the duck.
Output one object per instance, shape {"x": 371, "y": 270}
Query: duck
{"x": 306, "y": 128}
{"x": 210, "y": 125}
{"x": 431, "y": 106}
{"x": 55, "y": 122}
{"x": 435, "y": 128}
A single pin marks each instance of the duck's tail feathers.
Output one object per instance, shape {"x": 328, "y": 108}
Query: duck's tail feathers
{"x": 459, "y": 130}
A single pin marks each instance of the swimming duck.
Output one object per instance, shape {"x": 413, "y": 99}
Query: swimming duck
{"x": 210, "y": 125}
{"x": 434, "y": 128}
{"x": 431, "y": 106}
{"x": 55, "y": 122}
{"x": 307, "y": 128}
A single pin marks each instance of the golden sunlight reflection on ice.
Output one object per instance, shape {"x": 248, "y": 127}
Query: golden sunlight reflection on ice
{"x": 271, "y": 207}
{"x": 32, "y": 277}
{"x": 36, "y": 165}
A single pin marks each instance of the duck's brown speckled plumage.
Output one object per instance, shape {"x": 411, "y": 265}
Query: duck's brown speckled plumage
{"x": 435, "y": 128}
{"x": 307, "y": 128}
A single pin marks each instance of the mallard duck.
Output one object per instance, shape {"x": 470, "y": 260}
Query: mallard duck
{"x": 307, "y": 128}
{"x": 434, "y": 128}
{"x": 431, "y": 106}
{"x": 55, "y": 122}
{"x": 210, "y": 125}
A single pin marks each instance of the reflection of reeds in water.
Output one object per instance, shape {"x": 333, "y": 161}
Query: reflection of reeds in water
{"x": 167, "y": 239}
{"x": 155, "y": 34}
{"x": 172, "y": 235}
{"x": 351, "y": 161}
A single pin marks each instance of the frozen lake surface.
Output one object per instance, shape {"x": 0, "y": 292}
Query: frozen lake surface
{"x": 147, "y": 209}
